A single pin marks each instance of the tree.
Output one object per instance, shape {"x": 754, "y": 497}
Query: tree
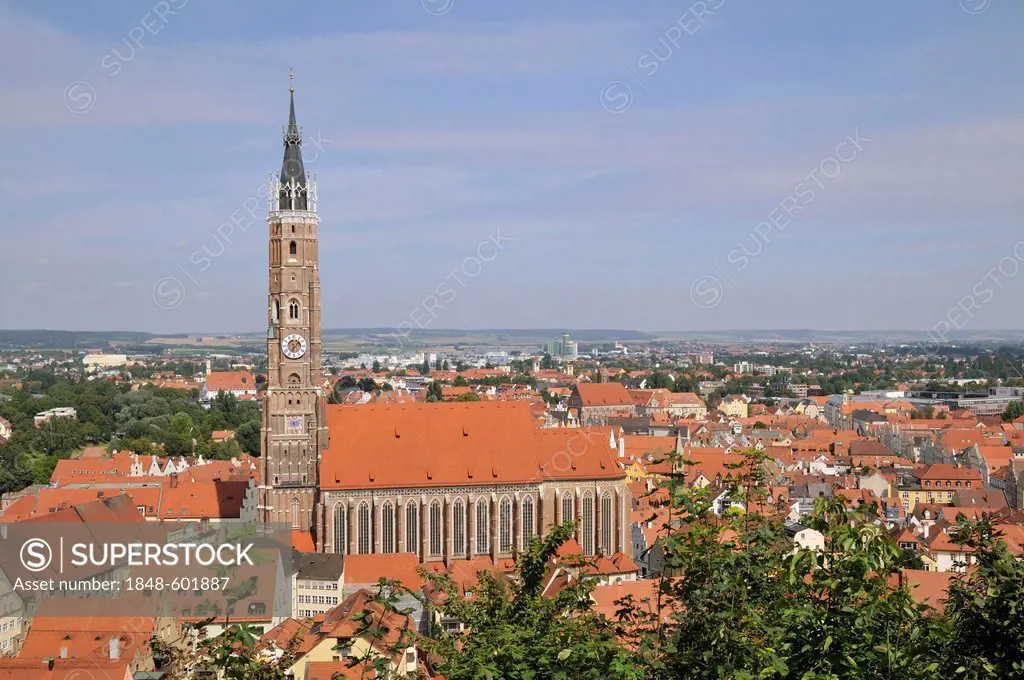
{"x": 367, "y": 384}
{"x": 60, "y": 436}
{"x": 434, "y": 391}
{"x": 547, "y": 362}
{"x": 468, "y": 396}
{"x": 516, "y": 633}
{"x": 659, "y": 380}
{"x": 425, "y": 368}
{"x": 985, "y": 608}
{"x": 248, "y": 437}
{"x": 460, "y": 381}
{"x": 437, "y": 364}
{"x": 376, "y": 366}
{"x": 1014, "y": 410}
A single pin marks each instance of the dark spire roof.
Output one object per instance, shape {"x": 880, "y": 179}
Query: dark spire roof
{"x": 291, "y": 167}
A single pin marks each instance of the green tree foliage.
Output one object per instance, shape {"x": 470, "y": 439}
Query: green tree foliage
{"x": 986, "y": 609}
{"x": 434, "y": 391}
{"x": 248, "y": 437}
{"x": 1014, "y": 410}
{"x": 376, "y": 366}
{"x": 149, "y": 420}
{"x": 737, "y": 601}
{"x": 468, "y": 396}
{"x": 518, "y": 634}
{"x": 659, "y": 380}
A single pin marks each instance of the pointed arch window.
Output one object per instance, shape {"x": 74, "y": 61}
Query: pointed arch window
{"x": 277, "y": 311}
{"x": 505, "y": 525}
{"x": 568, "y": 514}
{"x": 527, "y": 510}
{"x": 436, "y": 528}
{"x": 365, "y": 529}
{"x": 340, "y": 529}
{"x": 387, "y": 525}
{"x": 458, "y": 528}
{"x": 483, "y": 527}
{"x": 412, "y": 527}
{"x": 293, "y": 249}
{"x": 296, "y": 514}
{"x": 607, "y": 515}
{"x": 587, "y": 528}
{"x": 293, "y": 309}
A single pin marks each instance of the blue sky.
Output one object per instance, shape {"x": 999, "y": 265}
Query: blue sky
{"x": 625, "y": 152}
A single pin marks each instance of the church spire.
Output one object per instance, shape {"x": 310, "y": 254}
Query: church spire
{"x": 293, "y": 193}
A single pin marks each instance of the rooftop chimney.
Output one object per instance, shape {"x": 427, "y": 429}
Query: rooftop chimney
{"x": 115, "y": 648}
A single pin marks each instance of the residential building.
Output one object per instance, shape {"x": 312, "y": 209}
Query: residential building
{"x": 59, "y": 412}
{"x": 594, "y": 403}
{"x": 318, "y": 583}
{"x": 735, "y": 405}
{"x": 240, "y": 384}
{"x": 332, "y": 642}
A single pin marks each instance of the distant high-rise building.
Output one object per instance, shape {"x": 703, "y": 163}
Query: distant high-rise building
{"x": 563, "y": 347}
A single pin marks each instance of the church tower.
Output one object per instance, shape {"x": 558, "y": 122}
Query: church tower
{"x": 294, "y": 428}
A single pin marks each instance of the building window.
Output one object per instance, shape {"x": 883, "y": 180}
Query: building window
{"x": 293, "y": 248}
{"x": 505, "y": 525}
{"x": 295, "y": 514}
{"x": 436, "y": 528}
{"x": 412, "y": 527}
{"x": 606, "y": 523}
{"x": 365, "y": 529}
{"x": 277, "y": 312}
{"x": 527, "y": 509}
{"x": 458, "y": 528}
{"x": 293, "y": 309}
{"x": 567, "y": 509}
{"x": 387, "y": 523}
{"x": 587, "y": 530}
{"x": 483, "y": 533}
{"x": 340, "y": 529}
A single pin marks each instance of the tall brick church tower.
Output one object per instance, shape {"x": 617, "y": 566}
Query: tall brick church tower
{"x": 294, "y": 410}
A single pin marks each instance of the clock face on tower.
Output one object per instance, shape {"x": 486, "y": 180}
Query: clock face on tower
{"x": 293, "y": 346}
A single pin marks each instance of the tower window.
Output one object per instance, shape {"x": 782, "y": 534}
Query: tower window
{"x": 293, "y": 248}
{"x": 293, "y": 228}
{"x": 293, "y": 309}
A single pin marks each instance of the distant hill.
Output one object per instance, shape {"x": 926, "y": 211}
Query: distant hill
{"x": 45, "y": 339}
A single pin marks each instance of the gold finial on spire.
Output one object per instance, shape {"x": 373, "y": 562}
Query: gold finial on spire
{"x": 291, "y": 78}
